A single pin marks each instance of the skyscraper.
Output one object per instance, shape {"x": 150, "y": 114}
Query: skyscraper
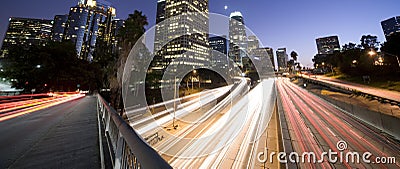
{"x": 88, "y": 21}
{"x": 160, "y": 27}
{"x": 253, "y": 43}
{"x": 282, "y": 59}
{"x": 327, "y": 45}
{"x": 116, "y": 25}
{"x": 184, "y": 33}
{"x": 391, "y": 26}
{"x": 59, "y": 25}
{"x": 159, "y": 62}
{"x": 27, "y": 32}
{"x": 219, "y": 43}
{"x": 270, "y": 52}
{"x": 237, "y": 38}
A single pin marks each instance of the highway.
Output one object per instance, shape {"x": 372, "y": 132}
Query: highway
{"x": 58, "y": 134}
{"x": 317, "y": 126}
{"x": 229, "y": 135}
{"x": 146, "y": 124}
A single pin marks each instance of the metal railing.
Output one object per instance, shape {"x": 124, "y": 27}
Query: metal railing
{"x": 127, "y": 149}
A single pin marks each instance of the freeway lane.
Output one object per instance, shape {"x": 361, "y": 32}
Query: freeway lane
{"x": 63, "y": 136}
{"x": 230, "y": 137}
{"x": 316, "y": 126}
{"x": 150, "y": 123}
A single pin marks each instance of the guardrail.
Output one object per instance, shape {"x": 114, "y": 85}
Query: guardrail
{"x": 127, "y": 148}
{"x": 384, "y": 122}
{"x": 283, "y": 132}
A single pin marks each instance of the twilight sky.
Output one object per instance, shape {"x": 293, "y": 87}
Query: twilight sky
{"x": 294, "y": 24}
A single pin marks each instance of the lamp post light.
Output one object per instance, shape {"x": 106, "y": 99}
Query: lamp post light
{"x": 194, "y": 73}
{"x": 173, "y": 119}
{"x": 372, "y": 53}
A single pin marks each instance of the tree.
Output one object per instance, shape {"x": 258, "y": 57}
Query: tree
{"x": 293, "y": 64}
{"x": 128, "y": 35}
{"x": 105, "y": 58}
{"x": 369, "y": 42}
{"x": 349, "y": 46}
{"x": 390, "y": 49}
{"x": 54, "y": 67}
{"x": 294, "y": 55}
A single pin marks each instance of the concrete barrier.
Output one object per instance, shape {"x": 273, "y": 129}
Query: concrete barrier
{"x": 386, "y": 123}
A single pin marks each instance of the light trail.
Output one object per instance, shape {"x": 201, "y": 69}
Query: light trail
{"x": 331, "y": 124}
{"x": 39, "y": 106}
{"x": 226, "y": 138}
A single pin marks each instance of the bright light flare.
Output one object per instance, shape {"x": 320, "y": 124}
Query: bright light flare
{"x": 46, "y": 104}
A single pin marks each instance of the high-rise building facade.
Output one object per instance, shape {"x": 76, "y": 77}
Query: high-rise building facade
{"x": 160, "y": 26}
{"x": 282, "y": 59}
{"x": 26, "y": 32}
{"x": 270, "y": 52}
{"x": 219, "y": 43}
{"x": 116, "y": 26}
{"x": 252, "y": 43}
{"x": 264, "y": 53}
{"x": 328, "y": 45}
{"x": 219, "y": 51}
{"x": 391, "y": 26}
{"x": 87, "y": 22}
{"x": 159, "y": 63}
{"x": 59, "y": 25}
{"x": 237, "y": 38}
{"x": 181, "y": 33}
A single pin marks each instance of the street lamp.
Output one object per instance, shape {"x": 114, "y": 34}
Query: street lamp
{"x": 372, "y": 53}
{"x": 175, "y": 95}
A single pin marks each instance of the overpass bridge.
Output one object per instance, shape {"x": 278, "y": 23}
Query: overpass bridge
{"x": 77, "y": 131}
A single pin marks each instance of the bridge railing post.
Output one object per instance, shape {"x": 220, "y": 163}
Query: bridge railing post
{"x": 127, "y": 148}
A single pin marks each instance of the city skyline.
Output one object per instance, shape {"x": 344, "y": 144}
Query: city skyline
{"x": 294, "y": 25}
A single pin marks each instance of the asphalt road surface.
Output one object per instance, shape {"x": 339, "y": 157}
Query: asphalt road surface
{"x": 317, "y": 126}
{"x": 62, "y": 136}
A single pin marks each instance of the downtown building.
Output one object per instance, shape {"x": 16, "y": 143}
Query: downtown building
{"x": 26, "y": 32}
{"x": 59, "y": 25}
{"x": 266, "y": 52}
{"x": 116, "y": 26}
{"x": 325, "y": 46}
{"x": 252, "y": 43}
{"x": 181, "y": 35}
{"x": 391, "y": 26}
{"x": 89, "y": 22}
{"x": 237, "y": 39}
{"x": 282, "y": 58}
{"x": 219, "y": 51}
{"x": 219, "y": 43}
{"x": 328, "y": 45}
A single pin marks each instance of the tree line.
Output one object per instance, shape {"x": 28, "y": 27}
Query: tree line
{"x": 56, "y": 67}
{"x": 367, "y": 58}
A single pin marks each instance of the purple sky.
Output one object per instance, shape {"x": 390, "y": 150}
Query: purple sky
{"x": 294, "y": 24}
